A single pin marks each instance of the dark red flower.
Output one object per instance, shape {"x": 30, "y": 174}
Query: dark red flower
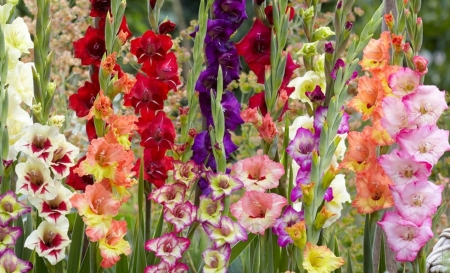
{"x": 159, "y": 132}
{"x": 269, "y": 13}
{"x": 166, "y": 27}
{"x": 91, "y": 47}
{"x": 99, "y": 8}
{"x": 255, "y": 46}
{"x": 151, "y": 46}
{"x": 258, "y": 101}
{"x": 152, "y": 3}
{"x": 82, "y": 101}
{"x": 289, "y": 71}
{"x": 165, "y": 70}
{"x": 147, "y": 93}
{"x": 90, "y": 130}
{"x": 156, "y": 166}
{"x": 75, "y": 181}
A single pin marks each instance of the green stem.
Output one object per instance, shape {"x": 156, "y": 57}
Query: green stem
{"x": 148, "y": 219}
{"x": 93, "y": 257}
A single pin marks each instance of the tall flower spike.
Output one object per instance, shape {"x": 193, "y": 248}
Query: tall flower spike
{"x": 169, "y": 248}
{"x": 50, "y": 240}
{"x": 11, "y": 208}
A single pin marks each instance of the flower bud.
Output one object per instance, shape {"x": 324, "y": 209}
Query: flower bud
{"x": 36, "y": 108}
{"x": 307, "y": 14}
{"x": 308, "y": 193}
{"x": 322, "y": 217}
{"x": 297, "y": 232}
{"x": 421, "y": 64}
{"x": 166, "y": 27}
{"x": 407, "y": 50}
{"x": 389, "y": 20}
{"x": 56, "y": 120}
{"x": 152, "y": 3}
{"x": 329, "y": 48}
{"x": 339, "y": 5}
{"x": 259, "y": 2}
{"x": 308, "y": 49}
{"x": 348, "y": 26}
{"x": 397, "y": 41}
{"x": 322, "y": 33}
{"x": 51, "y": 88}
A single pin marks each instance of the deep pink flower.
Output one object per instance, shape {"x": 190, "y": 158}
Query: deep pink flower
{"x": 165, "y": 70}
{"x": 421, "y": 64}
{"x": 181, "y": 216}
{"x": 156, "y": 167}
{"x": 99, "y": 8}
{"x": 257, "y": 211}
{"x": 82, "y": 101}
{"x": 169, "y": 248}
{"x": 228, "y": 232}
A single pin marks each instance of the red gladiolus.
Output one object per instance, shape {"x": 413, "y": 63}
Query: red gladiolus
{"x": 82, "y": 101}
{"x": 166, "y": 27}
{"x": 159, "y": 133}
{"x": 75, "y": 181}
{"x": 156, "y": 166}
{"x": 165, "y": 71}
{"x": 152, "y": 3}
{"x": 91, "y": 47}
{"x": 147, "y": 93}
{"x": 100, "y": 8}
{"x": 151, "y": 46}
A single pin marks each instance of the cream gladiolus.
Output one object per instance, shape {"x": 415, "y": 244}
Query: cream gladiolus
{"x": 17, "y": 37}
{"x": 16, "y": 122}
{"x": 5, "y": 11}
{"x": 20, "y": 82}
{"x": 340, "y": 196}
{"x": 304, "y": 84}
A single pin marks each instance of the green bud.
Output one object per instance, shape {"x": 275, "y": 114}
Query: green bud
{"x": 36, "y": 108}
{"x": 308, "y": 49}
{"x": 307, "y": 14}
{"x": 51, "y": 88}
{"x": 322, "y": 33}
{"x": 56, "y": 120}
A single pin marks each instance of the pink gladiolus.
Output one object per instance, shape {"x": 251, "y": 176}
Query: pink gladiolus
{"x": 169, "y": 195}
{"x": 169, "y": 247}
{"x": 403, "y": 169}
{"x": 258, "y": 173}
{"x": 427, "y": 143}
{"x": 228, "y": 232}
{"x": 404, "y": 237}
{"x": 404, "y": 82}
{"x": 426, "y": 105}
{"x": 421, "y": 64}
{"x": 181, "y": 216}
{"x": 257, "y": 211}
{"x": 164, "y": 267}
{"x": 417, "y": 200}
{"x": 395, "y": 117}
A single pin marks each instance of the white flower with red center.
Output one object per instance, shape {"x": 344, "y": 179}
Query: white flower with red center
{"x": 209, "y": 210}
{"x": 39, "y": 141}
{"x": 216, "y": 259}
{"x": 169, "y": 195}
{"x": 169, "y": 248}
{"x": 34, "y": 179}
{"x": 181, "y": 216}
{"x": 228, "y": 232}
{"x": 50, "y": 240}
{"x": 53, "y": 209}
{"x": 9, "y": 263}
{"x": 223, "y": 185}
{"x": 63, "y": 157}
{"x": 9, "y": 236}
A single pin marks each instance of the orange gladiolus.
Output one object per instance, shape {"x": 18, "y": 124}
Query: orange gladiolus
{"x": 370, "y": 95}
{"x": 376, "y": 53}
{"x": 361, "y": 153}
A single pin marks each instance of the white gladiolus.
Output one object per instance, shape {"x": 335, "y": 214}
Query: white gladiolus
{"x": 17, "y": 37}
{"x": 340, "y": 196}
{"x": 16, "y": 122}
{"x": 304, "y": 84}
{"x": 20, "y": 82}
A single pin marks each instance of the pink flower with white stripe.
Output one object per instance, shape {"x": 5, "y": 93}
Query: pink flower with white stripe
{"x": 228, "y": 232}
{"x": 181, "y": 216}
{"x": 169, "y": 248}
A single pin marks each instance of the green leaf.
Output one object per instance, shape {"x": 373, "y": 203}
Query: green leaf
{"x": 86, "y": 264}
{"x": 349, "y": 263}
{"x": 151, "y": 256}
{"x": 39, "y": 264}
{"x": 368, "y": 265}
{"x": 122, "y": 265}
{"x": 76, "y": 246}
{"x": 382, "y": 262}
{"x": 336, "y": 252}
{"x": 241, "y": 246}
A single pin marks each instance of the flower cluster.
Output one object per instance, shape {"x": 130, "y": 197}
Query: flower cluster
{"x": 410, "y": 116}
{"x": 11, "y": 209}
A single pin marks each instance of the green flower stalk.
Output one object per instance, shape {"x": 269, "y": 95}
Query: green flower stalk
{"x": 4, "y": 138}
{"x": 154, "y": 9}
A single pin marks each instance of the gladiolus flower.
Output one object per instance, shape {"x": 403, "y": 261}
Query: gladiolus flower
{"x": 216, "y": 259}
{"x": 156, "y": 167}
{"x": 10, "y": 263}
{"x": 227, "y": 232}
{"x": 38, "y": 141}
{"x": 164, "y": 267}
{"x": 120, "y": 129}
{"x": 91, "y": 47}
{"x": 251, "y": 115}
{"x": 376, "y": 53}
{"x": 63, "y": 158}
{"x": 302, "y": 146}
{"x": 169, "y": 195}
{"x": 340, "y": 196}
{"x": 209, "y": 210}
{"x": 34, "y": 179}
{"x": 8, "y": 237}
{"x": 181, "y": 216}
{"x": 20, "y": 82}
{"x": 258, "y": 173}
{"x": 403, "y": 169}
{"x": 427, "y": 143}
{"x": 158, "y": 133}
{"x": 101, "y": 108}
{"x": 50, "y": 240}
{"x": 99, "y": 8}
{"x": 166, "y": 27}
{"x": 404, "y": 237}
{"x": 151, "y": 46}
{"x": 17, "y": 37}
{"x": 305, "y": 84}
{"x": 223, "y": 185}
{"x": 361, "y": 153}
{"x": 146, "y": 94}
{"x": 404, "y": 82}
{"x": 289, "y": 218}
{"x": 396, "y": 116}
{"x": 370, "y": 94}
{"x": 417, "y": 200}
{"x": 421, "y": 65}
{"x": 297, "y": 234}
{"x": 53, "y": 209}
{"x": 169, "y": 248}
{"x": 10, "y": 208}
{"x": 185, "y": 172}
{"x": 75, "y": 181}
{"x": 257, "y": 211}
{"x": 320, "y": 259}
{"x": 82, "y": 101}
{"x": 268, "y": 129}
{"x": 113, "y": 245}
{"x": 233, "y": 11}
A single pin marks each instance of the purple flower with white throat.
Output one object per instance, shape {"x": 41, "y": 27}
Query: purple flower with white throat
{"x": 9, "y": 236}
{"x": 181, "y": 216}
{"x": 403, "y": 168}
{"x": 223, "y": 185}
{"x": 216, "y": 259}
{"x": 316, "y": 96}
{"x": 417, "y": 201}
{"x": 10, "y": 208}
{"x": 289, "y": 218}
{"x": 10, "y": 263}
{"x": 302, "y": 146}
{"x": 169, "y": 248}
{"x": 227, "y": 232}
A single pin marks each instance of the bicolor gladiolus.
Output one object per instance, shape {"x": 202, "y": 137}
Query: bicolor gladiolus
{"x": 297, "y": 234}
{"x": 427, "y": 143}
{"x": 185, "y": 173}
{"x": 361, "y": 153}
{"x": 405, "y": 81}
{"x": 120, "y": 128}
{"x": 320, "y": 259}
{"x": 376, "y": 53}
{"x": 417, "y": 200}
{"x": 169, "y": 195}
{"x": 209, "y": 210}
{"x": 340, "y": 196}
{"x": 395, "y": 116}
{"x": 10, "y": 263}
{"x": 289, "y": 218}
{"x": 34, "y": 179}
{"x": 223, "y": 184}
{"x": 181, "y": 216}
{"x": 113, "y": 245}
{"x": 404, "y": 237}
{"x": 50, "y": 240}
{"x": 370, "y": 95}
{"x": 258, "y": 173}
{"x": 63, "y": 157}
{"x": 169, "y": 248}
{"x": 38, "y": 141}
{"x": 403, "y": 168}
{"x": 302, "y": 146}
{"x": 257, "y": 211}
{"x": 10, "y": 208}
{"x": 9, "y": 236}
{"x": 227, "y": 232}
{"x": 54, "y": 208}
{"x": 163, "y": 267}
{"x": 216, "y": 259}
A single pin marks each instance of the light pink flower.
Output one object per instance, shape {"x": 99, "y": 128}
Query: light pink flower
{"x": 404, "y": 237}
{"x": 257, "y": 211}
{"x": 169, "y": 195}
{"x": 426, "y": 105}
{"x": 421, "y": 64}
{"x": 404, "y": 82}
{"x": 403, "y": 168}
{"x": 395, "y": 117}
{"x": 181, "y": 216}
{"x": 228, "y": 232}
{"x": 427, "y": 143}
{"x": 417, "y": 200}
{"x": 258, "y": 173}
{"x": 169, "y": 247}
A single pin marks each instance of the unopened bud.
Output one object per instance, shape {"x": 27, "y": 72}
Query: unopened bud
{"x": 259, "y": 2}
{"x": 36, "y": 108}
{"x": 166, "y": 27}
{"x": 51, "y": 88}
{"x": 389, "y": 20}
{"x": 152, "y": 3}
{"x": 56, "y": 120}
